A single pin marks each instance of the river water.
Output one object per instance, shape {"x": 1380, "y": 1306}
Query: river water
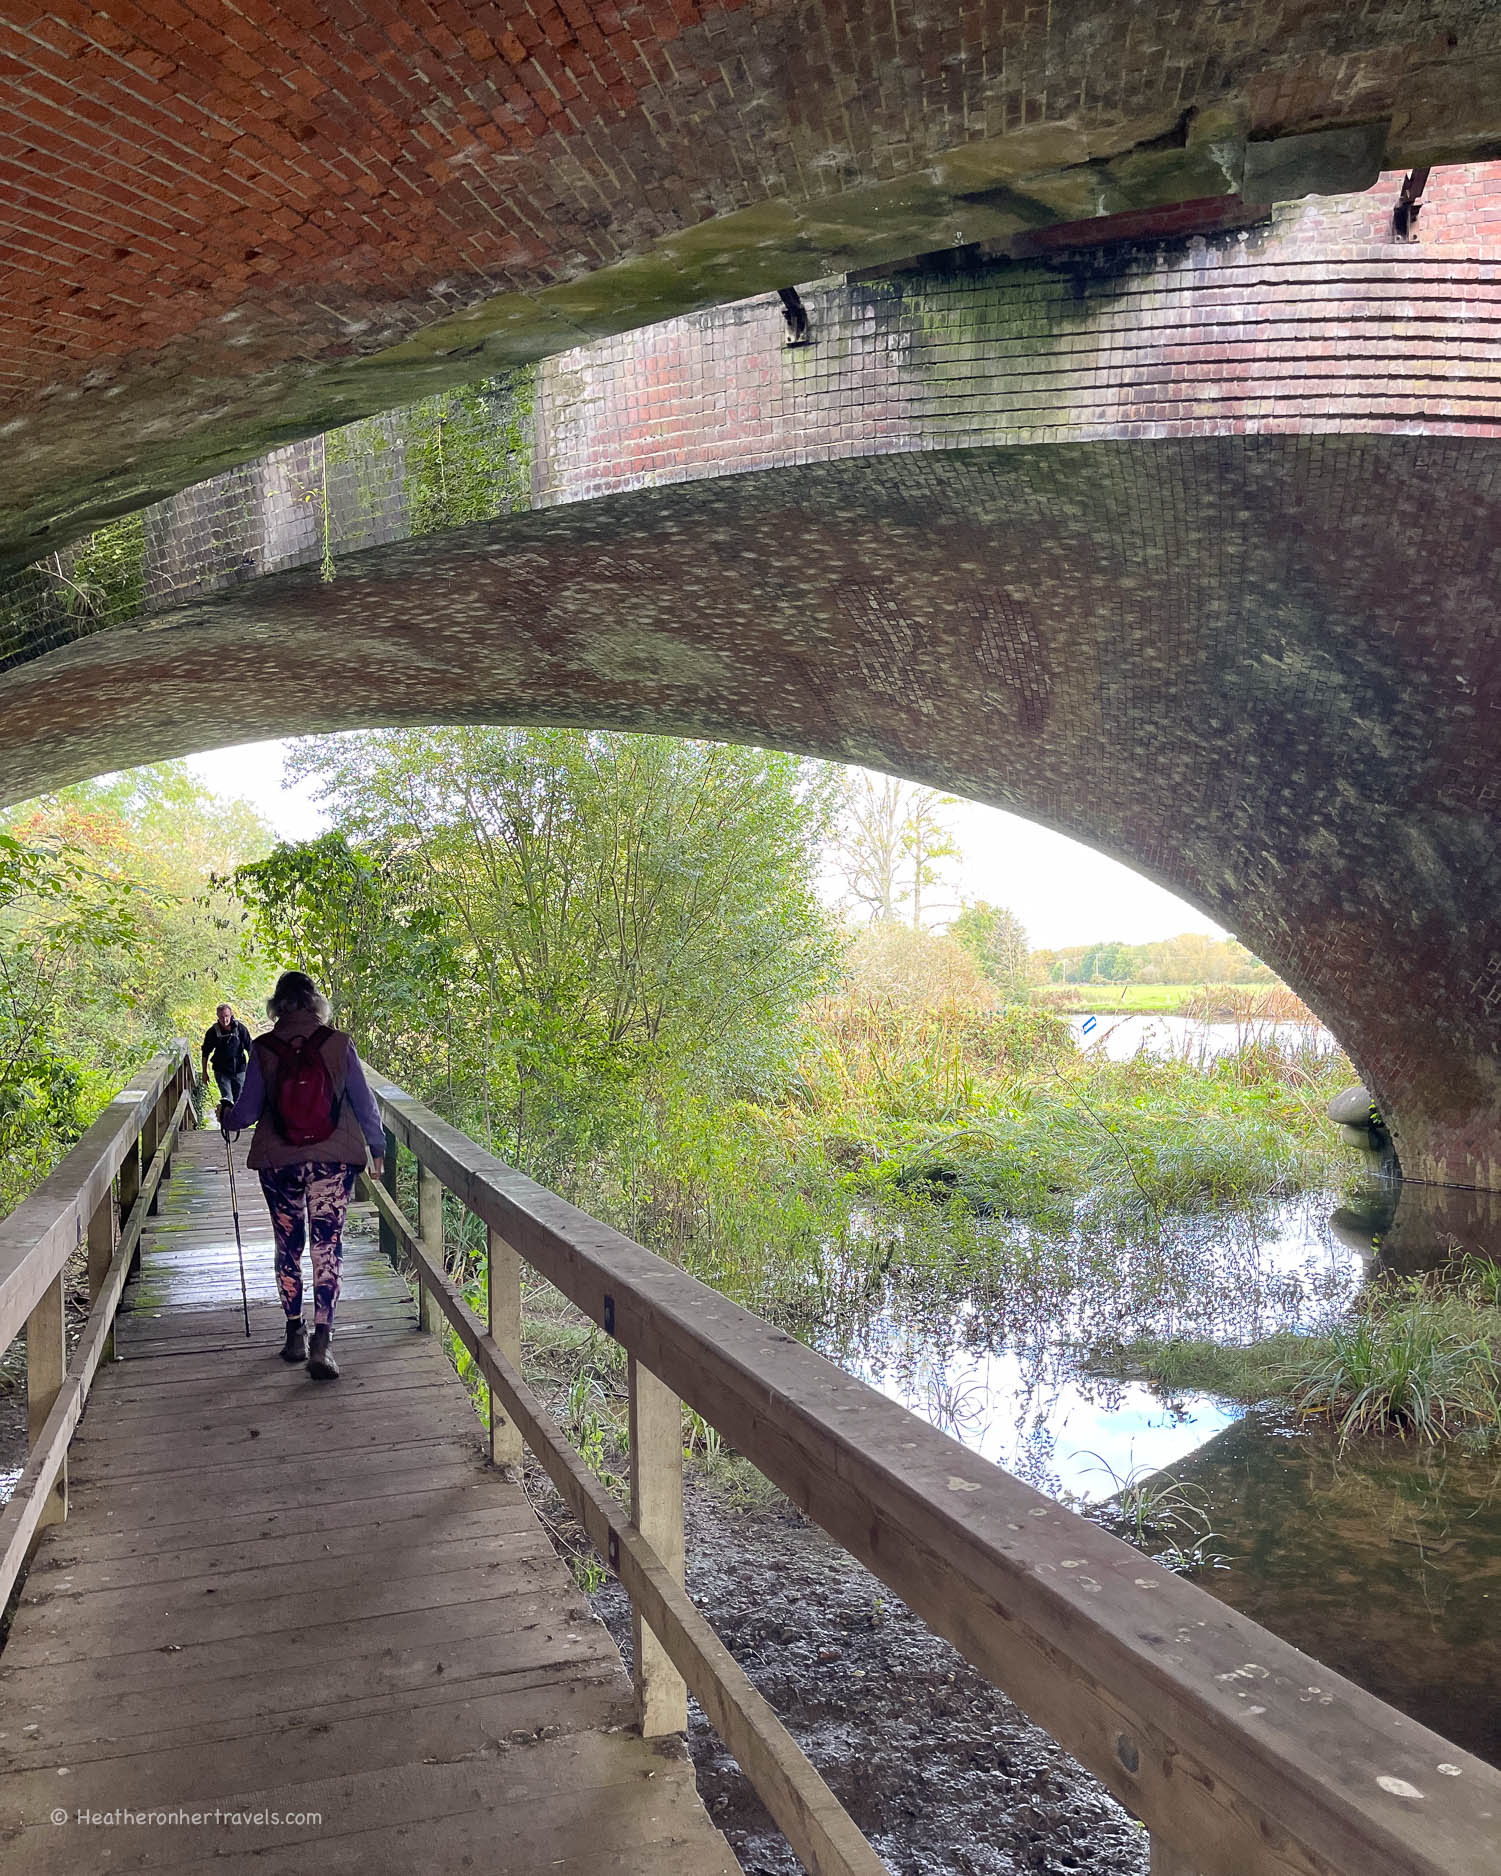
{"x": 1189, "y": 1038}
{"x": 1382, "y": 1560}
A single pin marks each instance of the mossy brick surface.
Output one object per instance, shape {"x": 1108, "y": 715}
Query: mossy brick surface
{"x": 232, "y": 228}
{"x": 1190, "y": 551}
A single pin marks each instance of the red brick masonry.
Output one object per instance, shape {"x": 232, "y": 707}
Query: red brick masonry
{"x": 1192, "y": 554}
{"x": 226, "y": 224}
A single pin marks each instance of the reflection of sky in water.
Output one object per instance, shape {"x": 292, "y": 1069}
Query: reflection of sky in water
{"x": 1002, "y": 1368}
{"x": 8, "y": 1478}
{"x": 1120, "y": 1037}
{"x": 1061, "y": 1437}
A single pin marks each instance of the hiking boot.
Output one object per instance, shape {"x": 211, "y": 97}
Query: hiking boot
{"x": 296, "y": 1343}
{"x": 320, "y": 1361}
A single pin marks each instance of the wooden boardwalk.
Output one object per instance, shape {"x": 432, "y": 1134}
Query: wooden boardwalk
{"x": 312, "y": 1600}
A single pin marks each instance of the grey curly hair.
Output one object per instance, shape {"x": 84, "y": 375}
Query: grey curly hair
{"x": 295, "y": 990}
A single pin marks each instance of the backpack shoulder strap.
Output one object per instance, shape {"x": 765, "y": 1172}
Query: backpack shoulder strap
{"x": 334, "y": 1047}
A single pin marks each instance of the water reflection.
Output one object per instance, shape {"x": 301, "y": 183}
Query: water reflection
{"x": 1192, "y": 1039}
{"x": 1407, "y": 1228}
{"x": 1384, "y": 1561}
{"x": 1065, "y": 1435}
{"x": 1002, "y": 1363}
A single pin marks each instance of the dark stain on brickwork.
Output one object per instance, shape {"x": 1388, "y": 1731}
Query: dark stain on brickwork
{"x": 1009, "y": 646}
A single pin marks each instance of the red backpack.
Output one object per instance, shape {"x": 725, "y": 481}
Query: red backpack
{"x": 304, "y": 1106}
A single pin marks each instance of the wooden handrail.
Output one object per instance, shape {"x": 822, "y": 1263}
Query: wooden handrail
{"x": 99, "y": 1187}
{"x": 1241, "y": 1754}
{"x": 25, "y": 1509}
{"x": 811, "y": 1817}
{"x": 44, "y": 1230}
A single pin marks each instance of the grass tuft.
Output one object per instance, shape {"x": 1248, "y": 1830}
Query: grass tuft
{"x": 1416, "y": 1363}
{"x": 1418, "y": 1357}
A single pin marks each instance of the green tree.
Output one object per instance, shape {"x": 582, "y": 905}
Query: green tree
{"x": 889, "y": 843}
{"x": 998, "y": 942}
{"x": 56, "y": 915}
{"x": 1109, "y": 963}
{"x": 597, "y": 914}
{"x": 337, "y": 912}
{"x": 114, "y": 939}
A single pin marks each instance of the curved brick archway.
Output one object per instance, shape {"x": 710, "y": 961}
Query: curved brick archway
{"x": 228, "y": 225}
{"x": 1167, "y": 650}
{"x": 1191, "y": 550}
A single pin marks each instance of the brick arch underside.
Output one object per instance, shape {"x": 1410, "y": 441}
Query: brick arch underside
{"x": 1265, "y": 671}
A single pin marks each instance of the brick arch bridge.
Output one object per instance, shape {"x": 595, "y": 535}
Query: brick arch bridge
{"x": 231, "y": 225}
{"x": 1189, "y": 550}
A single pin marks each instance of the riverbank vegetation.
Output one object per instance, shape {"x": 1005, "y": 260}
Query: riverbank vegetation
{"x": 1418, "y": 1357}
{"x": 113, "y": 938}
{"x": 611, "y": 959}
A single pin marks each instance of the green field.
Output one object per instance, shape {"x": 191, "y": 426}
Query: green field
{"x": 1131, "y": 999}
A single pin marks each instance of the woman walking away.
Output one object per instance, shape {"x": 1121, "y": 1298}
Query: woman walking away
{"x": 306, "y": 1096}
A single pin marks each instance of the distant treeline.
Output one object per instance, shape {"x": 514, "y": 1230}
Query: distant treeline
{"x": 1190, "y": 958}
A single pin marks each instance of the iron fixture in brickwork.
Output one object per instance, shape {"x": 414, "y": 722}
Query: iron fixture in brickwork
{"x": 1409, "y": 205}
{"x": 796, "y": 315}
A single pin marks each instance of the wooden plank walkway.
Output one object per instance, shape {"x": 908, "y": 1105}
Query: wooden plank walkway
{"x": 310, "y": 1600}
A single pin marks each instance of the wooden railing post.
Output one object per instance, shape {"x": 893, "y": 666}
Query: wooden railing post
{"x": 151, "y": 1139}
{"x": 129, "y": 1187}
{"x": 430, "y": 1230}
{"x": 46, "y": 1365}
{"x": 657, "y": 1512}
{"x": 171, "y": 1094}
{"x": 388, "y": 1180}
{"x": 503, "y": 1287}
{"x": 104, "y": 1234}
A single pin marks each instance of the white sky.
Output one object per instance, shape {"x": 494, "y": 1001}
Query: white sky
{"x": 1064, "y": 894}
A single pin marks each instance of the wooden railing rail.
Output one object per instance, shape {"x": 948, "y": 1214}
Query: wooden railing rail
{"x": 1242, "y": 1755}
{"x": 99, "y": 1196}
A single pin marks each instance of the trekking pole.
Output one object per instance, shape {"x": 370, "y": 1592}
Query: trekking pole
{"x": 234, "y": 1206}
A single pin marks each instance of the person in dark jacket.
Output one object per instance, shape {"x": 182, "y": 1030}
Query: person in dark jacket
{"x": 307, "y": 1186}
{"x": 226, "y": 1042}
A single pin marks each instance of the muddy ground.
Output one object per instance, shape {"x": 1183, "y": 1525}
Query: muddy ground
{"x": 939, "y": 1769}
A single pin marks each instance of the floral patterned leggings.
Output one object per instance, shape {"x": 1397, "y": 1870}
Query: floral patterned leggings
{"x": 309, "y": 1202}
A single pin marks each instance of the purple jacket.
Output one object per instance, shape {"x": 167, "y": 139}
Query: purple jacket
{"x": 253, "y": 1108}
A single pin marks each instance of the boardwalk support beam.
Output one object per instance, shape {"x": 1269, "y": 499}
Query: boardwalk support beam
{"x": 503, "y": 1307}
{"x": 1166, "y": 1861}
{"x": 657, "y": 1512}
